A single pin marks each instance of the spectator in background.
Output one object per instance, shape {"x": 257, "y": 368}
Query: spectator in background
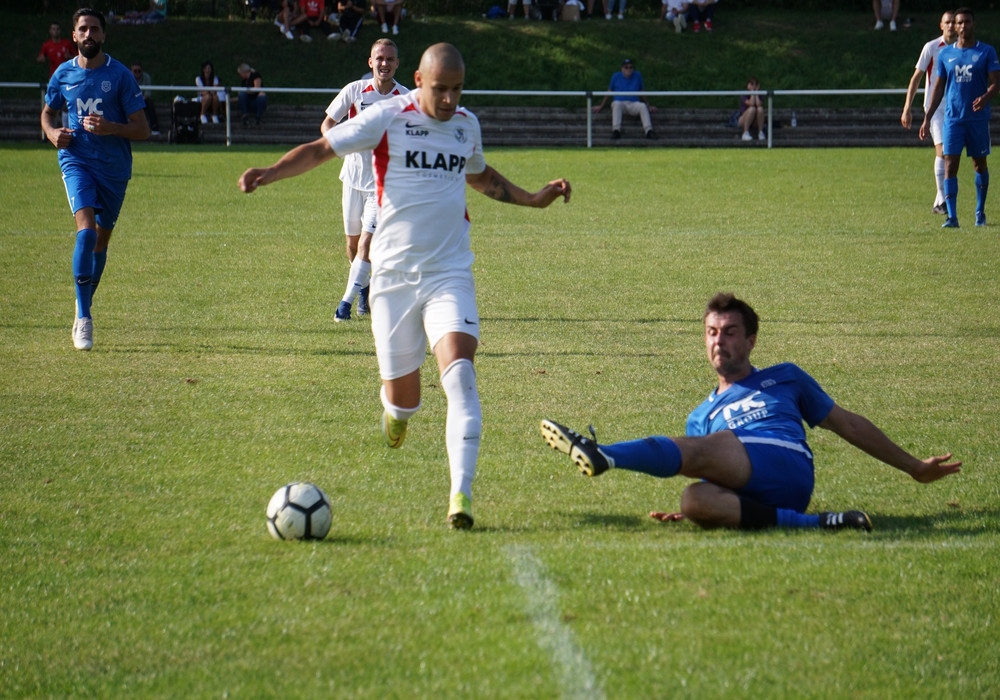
{"x": 525, "y": 6}
{"x": 314, "y": 18}
{"x": 752, "y": 112}
{"x": 251, "y": 100}
{"x": 56, "y": 50}
{"x": 628, "y": 80}
{"x": 611, "y": 9}
{"x": 289, "y": 16}
{"x": 144, "y": 79}
{"x": 704, "y": 11}
{"x": 389, "y": 13}
{"x": 352, "y": 16}
{"x": 678, "y": 12}
{"x": 885, "y": 10}
{"x": 590, "y": 8}
{"x": 210, "y": 103}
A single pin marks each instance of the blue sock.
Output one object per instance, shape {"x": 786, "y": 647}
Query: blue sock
{"x": 83, "y": 269}
{"x": 656, "y": 456}
{"x": 982, "y": 185}
{"x": 790, "y": 518}
{"x": 100, "y": 260}
{"x": 951, "y": 196}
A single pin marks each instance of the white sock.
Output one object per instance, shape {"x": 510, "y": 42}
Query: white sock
{"x": 357, "y": 279}
{"x": 939, "y": 177}
{"x": 398, "y": 412}
{"x": 465, "y": 424}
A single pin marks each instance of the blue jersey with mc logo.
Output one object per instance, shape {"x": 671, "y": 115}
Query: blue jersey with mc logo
{"x": 966, "y": 75}
{"x": 109, "y": 91}
{"x": 774, "y": 400}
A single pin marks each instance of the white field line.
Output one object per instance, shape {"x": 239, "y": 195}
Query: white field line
{"x": 576, "y": 677}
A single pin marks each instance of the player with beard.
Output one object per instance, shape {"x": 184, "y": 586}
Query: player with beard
{"x": 426, "y": 150}
{"x": 106, "y": 112}
{"x": 358, "y": 202}
{"x": 746, "y": 444}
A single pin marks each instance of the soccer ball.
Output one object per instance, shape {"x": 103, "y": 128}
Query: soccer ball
{"x": 299, "y": 511}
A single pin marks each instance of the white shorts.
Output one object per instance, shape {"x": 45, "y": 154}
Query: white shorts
{"x": 411, "y": 310}
{"x": 937, "y": 127}
{"x": 360, "y": 211}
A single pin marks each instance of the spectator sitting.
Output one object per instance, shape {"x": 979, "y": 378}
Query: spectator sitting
{"x": 288, "y": 17}
{"x": 144, "y": 79}
{"x": 752, "y": 112}
{"x": 389, "y": 13}
{"x": 677, "y": 11}
{"x": 628, "y": 80}
{"x": 255, "y": 101}
{"x": 210, "y": 103}
{"x": 315, "y": 18}
{"x": 704, "y": 12}
{"x": 525, "y": 6}
{"x": 885, "y": 10}
{"x": 351, "y": 17}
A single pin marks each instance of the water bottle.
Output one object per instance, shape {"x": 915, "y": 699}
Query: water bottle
{"x": 795, "y": 120}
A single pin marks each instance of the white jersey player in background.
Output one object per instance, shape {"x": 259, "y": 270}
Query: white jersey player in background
{"x": 359, "y": 204}
{"x": 426, "y": 150}
{"x": 925, "y": 71}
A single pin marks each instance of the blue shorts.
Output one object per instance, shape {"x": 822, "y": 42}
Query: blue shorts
{"x": 782, "y": 473}
{"x": 84, "y": 190}
{"x": 973, "y": 136}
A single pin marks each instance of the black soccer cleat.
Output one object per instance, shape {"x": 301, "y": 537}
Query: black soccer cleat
{"x": 850, "y": 519}
{"x": 584, "y": 451}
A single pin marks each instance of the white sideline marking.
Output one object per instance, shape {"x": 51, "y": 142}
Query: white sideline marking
{"x": 576, "y": 676}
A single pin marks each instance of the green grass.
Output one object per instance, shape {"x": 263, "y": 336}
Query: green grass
{"x": 133, "y": 479}
{"x": 785, "y": 49}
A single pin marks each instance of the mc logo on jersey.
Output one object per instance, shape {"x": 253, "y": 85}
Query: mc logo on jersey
{"x": 963, "y": 74}
{"x": 440, "y": 161}
{"x": 89, "y": 106}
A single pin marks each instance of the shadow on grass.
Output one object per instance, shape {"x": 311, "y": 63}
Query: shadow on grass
{"x": 954, "y": 522}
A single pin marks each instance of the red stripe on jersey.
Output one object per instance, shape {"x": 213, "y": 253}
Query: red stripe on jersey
{"x": 380, "y": 163}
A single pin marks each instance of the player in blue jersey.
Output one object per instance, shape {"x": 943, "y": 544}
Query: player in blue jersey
{"x": 746, "y": 443}
{"x": 106, "y": 113}
{"x": 968, "y": 78}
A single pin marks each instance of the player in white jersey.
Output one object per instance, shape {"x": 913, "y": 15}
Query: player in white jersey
{"x": 359, "y": 205}
{"x": 426, "y": 150}
{"x": 925, "y": 71}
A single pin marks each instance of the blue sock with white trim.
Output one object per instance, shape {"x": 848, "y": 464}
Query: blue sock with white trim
{"x": 656, "y": 456}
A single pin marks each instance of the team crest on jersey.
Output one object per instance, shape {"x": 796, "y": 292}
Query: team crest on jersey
{"x": 460, "y": 135}
{"x": 106, "y": 85}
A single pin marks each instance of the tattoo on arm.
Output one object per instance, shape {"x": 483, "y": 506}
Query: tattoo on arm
{"x": 497, "y": 188}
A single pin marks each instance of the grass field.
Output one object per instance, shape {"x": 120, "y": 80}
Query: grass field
{"x": 133, "y": 479}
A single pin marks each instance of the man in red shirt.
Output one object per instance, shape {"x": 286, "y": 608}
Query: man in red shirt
{"x": 56, "y": 50}
{"x": 315, "y": 11}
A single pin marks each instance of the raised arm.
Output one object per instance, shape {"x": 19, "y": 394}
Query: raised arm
{"x": 299, "y": 160}
{"x": 863, "y": 434}
{"x": 496, "y": 186}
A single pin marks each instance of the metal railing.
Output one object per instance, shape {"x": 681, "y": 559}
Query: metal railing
{"x": 586, "y": 95}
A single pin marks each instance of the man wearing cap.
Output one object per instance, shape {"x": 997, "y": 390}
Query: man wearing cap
{"x": 254, "y": 99}
{"x": 628, "y": 79}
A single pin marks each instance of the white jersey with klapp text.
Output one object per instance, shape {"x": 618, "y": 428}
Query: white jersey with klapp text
{"x": 420, "y": 167}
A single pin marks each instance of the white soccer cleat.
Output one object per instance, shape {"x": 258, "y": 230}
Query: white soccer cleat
{"x": 83, "y": 333}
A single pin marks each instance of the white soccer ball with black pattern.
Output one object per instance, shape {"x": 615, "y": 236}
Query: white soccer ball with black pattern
{"x": 299, "y": 511}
